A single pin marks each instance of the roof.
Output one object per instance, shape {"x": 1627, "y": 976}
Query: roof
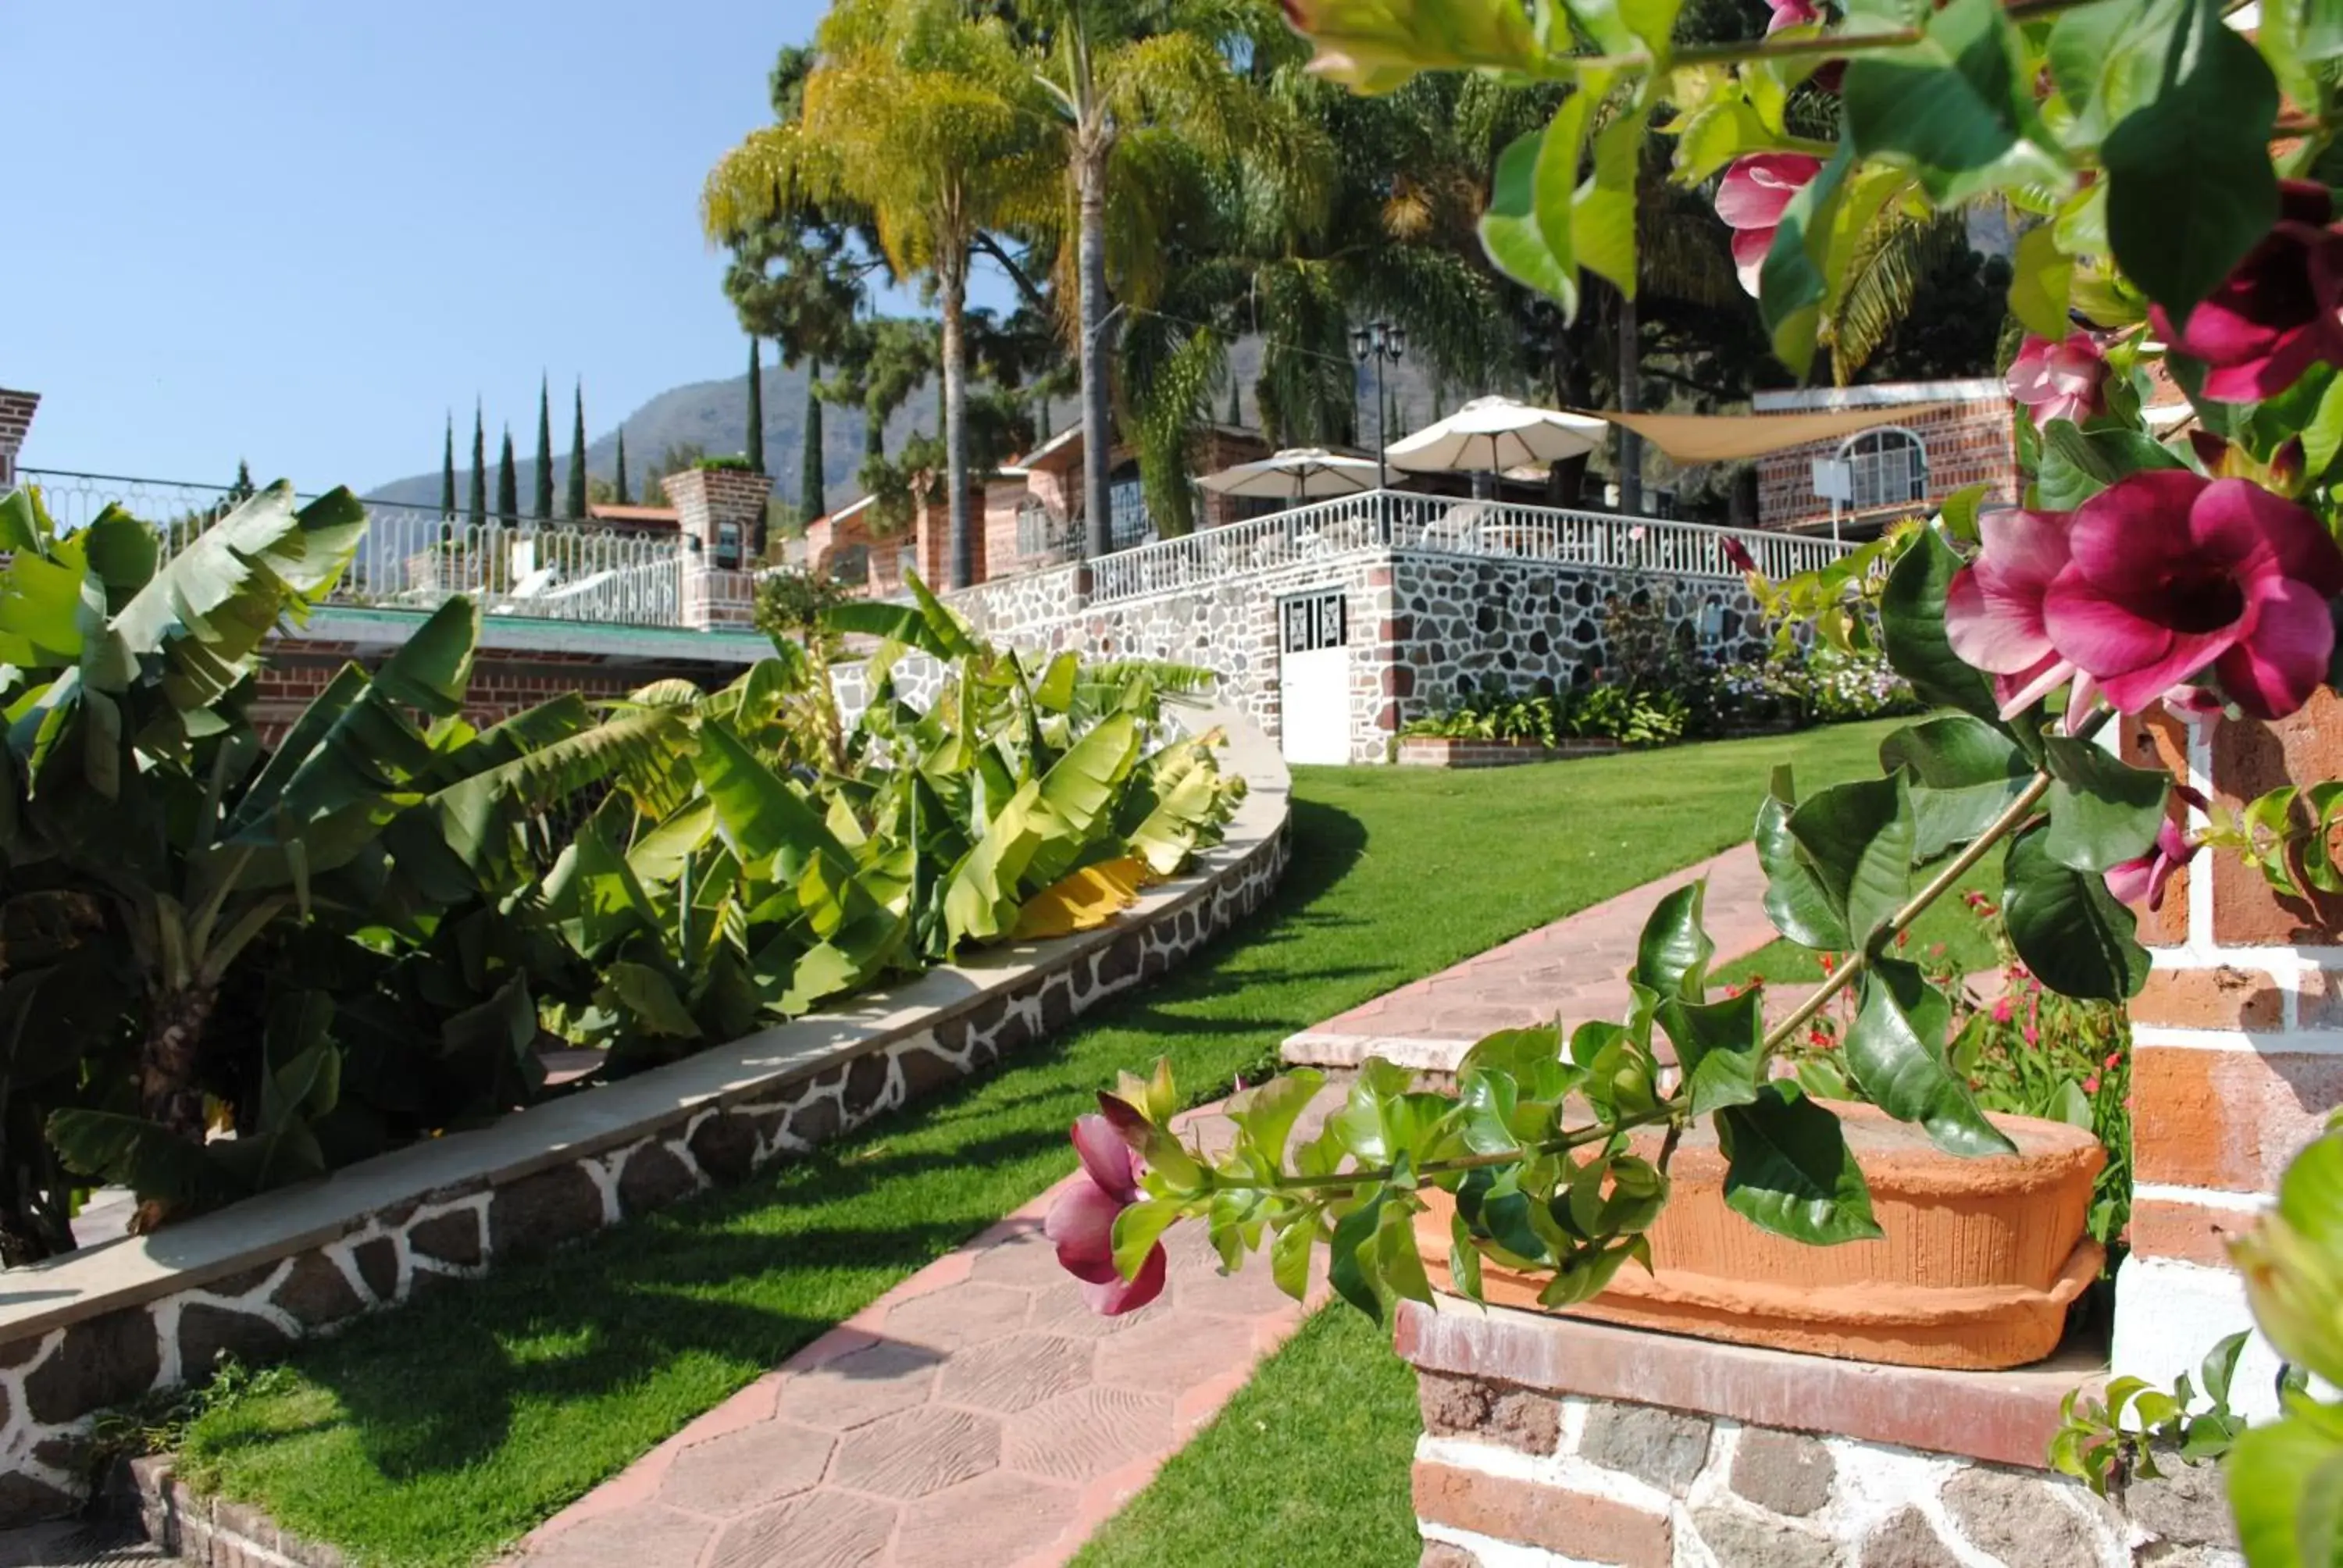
{"x": 843, "y": 513}
{"x": 661, "y": 517}
{"x": 1690, "y": 439}
{"x": 1884, "y": 394}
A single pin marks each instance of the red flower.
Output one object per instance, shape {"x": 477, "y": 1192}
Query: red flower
{"x": 2063, "y": 380}
{"x": 1737, "y": 554}
{"x": 2002, "y": 1010}
{"x": 1081, "y": 1223}
{"x": 1750, "y": 201}
{"x": 1994, "y": 613}
{"x": 2091, "y": 1084}
{"x": 2145, "y": 878}
{"x": 2171, "y": 572}
{"x": 2274, "y": 316}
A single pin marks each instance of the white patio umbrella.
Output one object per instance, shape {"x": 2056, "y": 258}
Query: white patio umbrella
{"x": 1298, "y": 472}
{"x": 1490, "y": 435}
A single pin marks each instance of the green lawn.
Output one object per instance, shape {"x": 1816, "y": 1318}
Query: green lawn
{"x": 438, "y": 1434}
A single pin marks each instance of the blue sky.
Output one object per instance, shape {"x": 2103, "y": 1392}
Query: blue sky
{"x": 298, "y": 232}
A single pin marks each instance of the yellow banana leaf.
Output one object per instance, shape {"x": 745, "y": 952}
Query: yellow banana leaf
{"x": 1081, "y": 899}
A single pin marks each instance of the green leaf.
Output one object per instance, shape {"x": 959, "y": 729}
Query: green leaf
{"x": 1526, "y": 229}
{"x": 2069, "y": 930}
{"x": 1896, "y": 1052}
{"x": 1138, "y": 1229}
{"x": 2103, "y": 811}
{"x": 1267, "y": 1112}
{"x": 1720, "y": 1047}
{"x": 1464, "y": 1259}
{"x": 2038, "y": 284}
{"x": 1965, "y": 773}
{"x": 2286, "y": 1488}
{"x": 1794, "y": 281}
{"x": 1912, "y": 626}
{"x": 1352, "y": 1263}
{"x": 1396, "y": 1257}
{"x": 2190, "y": 188}
{"x": 2107, "y": 59}
{"x": 1948, "y": 108}
{"x": 141, "y": 1155}
{"x": 1673, "y": 952}
{"x": 1603, "y": 209}
{"x": 2077, "y": 465}
{"x": 1788, "y": 1170}
{"x": 1859, "y": 839}
{"x": 1288, "y": 1255}
{"x": 2322, "y": 434}
{"x": 1796, "y": 901}
{"x": 650, "y": 997}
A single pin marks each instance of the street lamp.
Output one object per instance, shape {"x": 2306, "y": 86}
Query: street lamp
{"x": 1382, "y": 341}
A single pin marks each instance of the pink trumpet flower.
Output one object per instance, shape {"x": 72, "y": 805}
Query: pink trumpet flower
{"x": 1081, "y": 1223}
{"x": 2062, "y": 380}
{"x": 1756, "y": 191}
{"x": 2143, "y": 880}
{"x": 2279, "y": 312}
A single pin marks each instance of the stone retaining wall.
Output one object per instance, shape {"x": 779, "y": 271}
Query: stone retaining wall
{"x": 1442, "y": 751}
{"x": 104, "y": 1326}
{"x": 1548, "y": 1443}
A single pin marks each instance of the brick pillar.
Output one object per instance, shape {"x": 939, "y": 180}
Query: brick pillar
{"x": 2239, "y": 1049}
{"x": 15, "y": 419}
{"x": 721, "y": 512}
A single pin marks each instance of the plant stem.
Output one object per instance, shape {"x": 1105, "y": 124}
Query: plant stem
{"x": 1743, "y": 51}
{"x": 1668, "y": 1111}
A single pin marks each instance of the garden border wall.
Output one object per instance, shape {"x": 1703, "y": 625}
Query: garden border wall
{"x": 107, "y": 1324}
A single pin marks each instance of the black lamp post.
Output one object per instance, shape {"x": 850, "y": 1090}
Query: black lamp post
{"x": 1382, "y": 341}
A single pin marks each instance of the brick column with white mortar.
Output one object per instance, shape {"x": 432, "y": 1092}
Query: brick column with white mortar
{"x": 710, "y": 503}
{"x": 2237, "y": 1045}
{"x": 15, "y": 419}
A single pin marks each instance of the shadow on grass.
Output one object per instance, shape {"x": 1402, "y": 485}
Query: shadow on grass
{"x": 728, "y": 1283}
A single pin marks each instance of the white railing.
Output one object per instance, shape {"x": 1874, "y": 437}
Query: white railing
{"x": 1443, "y": 524}
{"x": 416, "y": 558}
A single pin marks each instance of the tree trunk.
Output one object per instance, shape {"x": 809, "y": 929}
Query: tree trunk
{"x": 1089, "y": 172}
{"x": 1631, "y": 371}
{"x": 813, "y": 485}
{"x": 952, "y": 275}
{"x": 167, "y": 1091}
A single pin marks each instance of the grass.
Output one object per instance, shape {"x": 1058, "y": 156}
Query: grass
{"x": 438, "y": 1434}
{"x": 1307, "y": 1467}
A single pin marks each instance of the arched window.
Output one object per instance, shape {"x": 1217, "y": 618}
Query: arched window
{"x": 1888, "y": 467}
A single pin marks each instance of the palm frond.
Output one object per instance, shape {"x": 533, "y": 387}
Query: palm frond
{"x": 1891, "y": 259}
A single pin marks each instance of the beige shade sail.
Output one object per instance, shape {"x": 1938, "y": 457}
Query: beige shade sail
{"x": 1689, "y": 438}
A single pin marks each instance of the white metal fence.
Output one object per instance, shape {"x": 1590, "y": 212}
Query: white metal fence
{"x": 1393, "y": 519}
{"x": 418, "y": 556}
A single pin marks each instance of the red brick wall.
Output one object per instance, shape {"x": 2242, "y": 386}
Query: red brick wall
{"x": 1967, "y": 442}
{"x": 15, "y": 419}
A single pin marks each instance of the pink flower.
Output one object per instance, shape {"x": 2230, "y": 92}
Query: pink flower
{"x": 2031, "y": 1035}
{"x": 1756, "y": 191}
{"x": 1737, "y": 554}
{"x": 2170, "y": 572}
{"x": 2059, "y": 380}
{"x": 1791, "y": 13}
{"x": 2276, "y": 314}
{"x": 2002, "y": 1010}
{"x": 2145, "y": 878}
{"x": 1994, "y": 612}
{"x": 1081, "y": 1223}
{"x": 2091, "y": 1084}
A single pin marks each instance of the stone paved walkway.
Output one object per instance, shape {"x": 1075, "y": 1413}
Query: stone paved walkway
{"x": 976, "y": 1416}
{"x": 1575, "y": 969}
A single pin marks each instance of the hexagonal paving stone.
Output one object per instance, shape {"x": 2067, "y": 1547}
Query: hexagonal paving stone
{"x": 625, "y": 1539}
{"x": 826, "y": 1530}
{"x": 1084, "y": 1434}
{"x": 1063, "y": 1311}
{"x": 918, "y": 1452}
{"x": 1026, "y": 1260}
{"x": 1176, "y": 1351}
{"x": 860, "y": 1386}
{"x": 1251, "y": 1292}
{"x": 1014, "y": 1373}
{"x": 958, "y": 1315}
{"x": 991, "y": 1522}
{"x": 745, "y": 1468}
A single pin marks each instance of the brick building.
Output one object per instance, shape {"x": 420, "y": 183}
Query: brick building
{"x": 1958, "y": 433}
{"x": 16, "y": 418}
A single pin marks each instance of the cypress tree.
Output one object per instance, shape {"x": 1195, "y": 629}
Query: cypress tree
{"x": 479, "y": 468}
{"x": 447, "y": 471}
{"x": 508, "y": 483}
{"x": 754, "y": 450}
{"x": 243, "y": 490}
{"x": 578, "y": 455}
{"x": 813, "y": 487}
{"x": 543, "y": 453}
{"x": 620, "y": 486}
{"x": 1236, "y": 409}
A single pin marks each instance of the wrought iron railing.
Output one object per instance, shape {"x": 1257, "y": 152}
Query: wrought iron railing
{"x": 418, "y": 557}
{"x": 1393, "y": 519}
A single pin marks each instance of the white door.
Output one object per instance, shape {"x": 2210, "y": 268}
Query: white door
{"x": 1314, "y": 678}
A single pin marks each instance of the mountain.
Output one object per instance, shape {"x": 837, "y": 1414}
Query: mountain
{"x": 713, "y": 415}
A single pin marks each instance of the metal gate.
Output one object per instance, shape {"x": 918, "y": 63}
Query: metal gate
{"x": 1314, "y": 677}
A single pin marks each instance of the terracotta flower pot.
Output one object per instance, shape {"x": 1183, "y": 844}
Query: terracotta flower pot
{"x": 1980, "y": 1259}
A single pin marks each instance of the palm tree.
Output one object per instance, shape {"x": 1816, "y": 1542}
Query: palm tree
{"x": 1123, "y": 73}
{"x": 928, "y": 120}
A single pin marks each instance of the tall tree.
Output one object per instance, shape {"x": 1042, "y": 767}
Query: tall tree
{"x": 576, "y": 507}
{"x": 1123, "y": 75}
{"x": 479, "y": 508}
{"x": 881, "y": 363}
{"x": 544, "y": 451}
{"x": 447, "y": 472}
{"x": 508, "y": 483}
{"x": 754, "y": 448}
{"x": 619, "y": 481}
{"x": 928, "y": 119}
